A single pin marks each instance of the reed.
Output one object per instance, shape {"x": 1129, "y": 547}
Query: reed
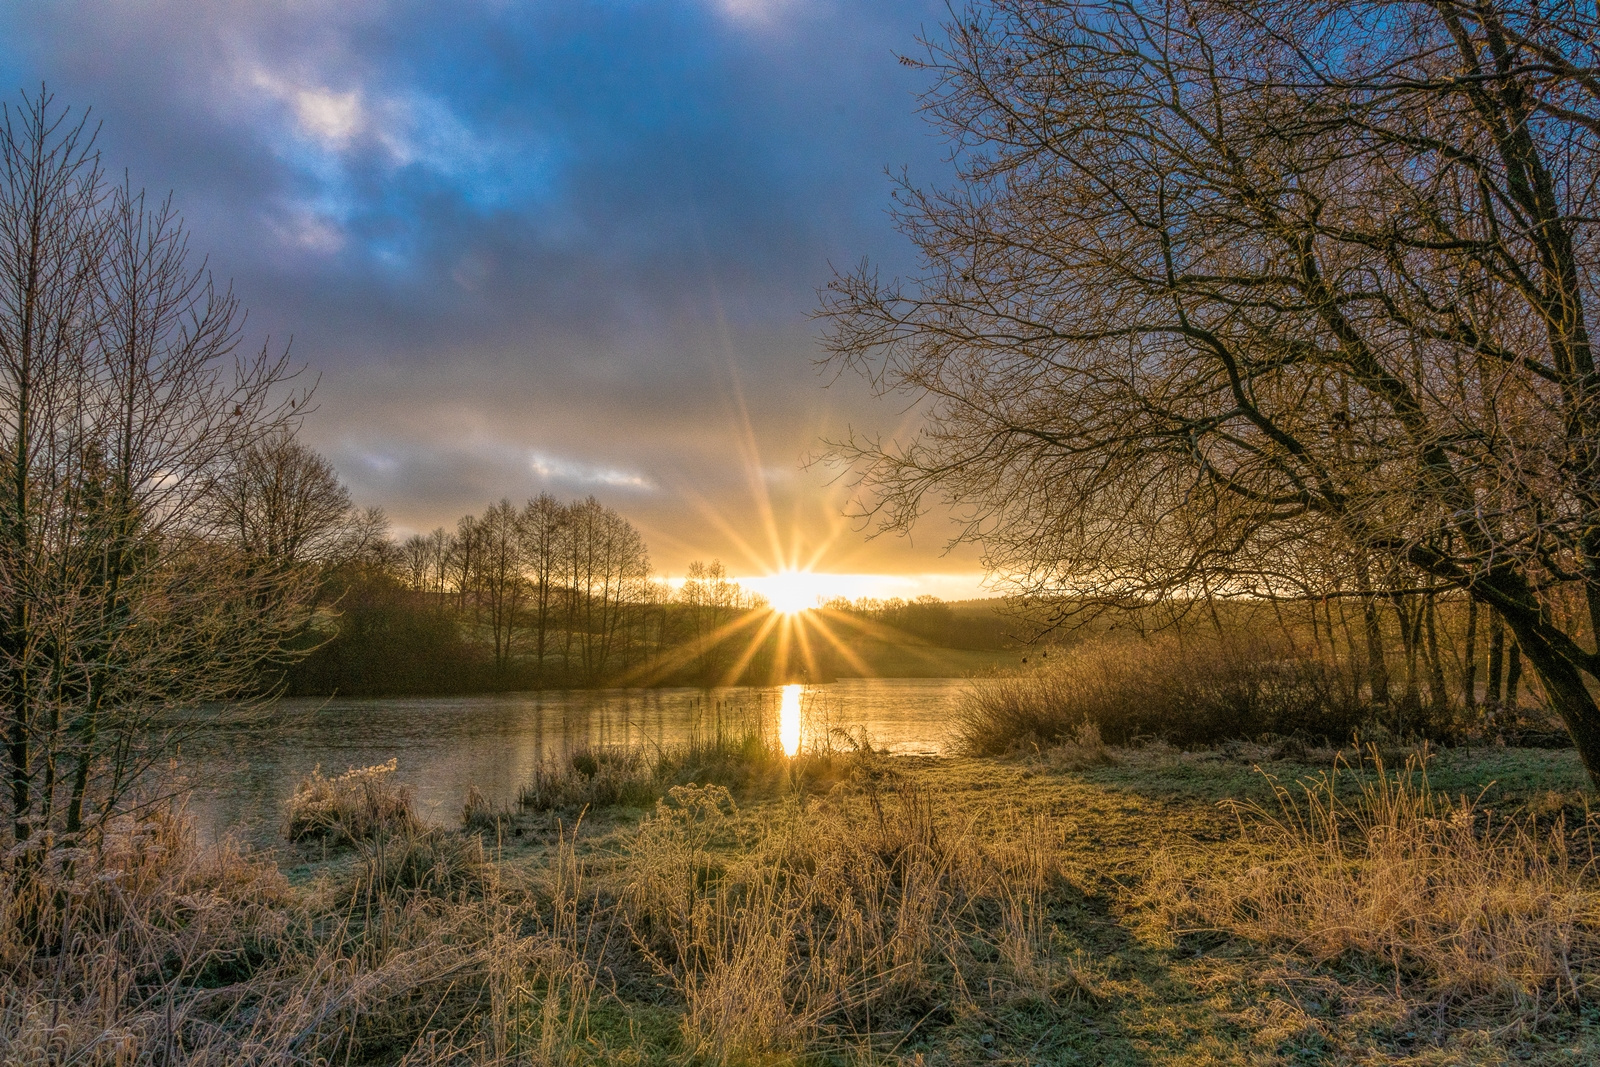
{"x": 1190, "y": 692}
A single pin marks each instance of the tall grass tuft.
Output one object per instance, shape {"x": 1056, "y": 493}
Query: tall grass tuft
{"x": 1189, "y": 692}
{"x": 864, "y": 914}
{"x": 590, "y": 777}
{"x": 1473, "y": 907}
{"x": 358, "y": 805}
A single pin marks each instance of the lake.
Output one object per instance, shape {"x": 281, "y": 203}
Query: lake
{"x": 240, "y": 774}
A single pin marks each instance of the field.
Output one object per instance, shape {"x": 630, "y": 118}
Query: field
{"x": 1080, "y": 905}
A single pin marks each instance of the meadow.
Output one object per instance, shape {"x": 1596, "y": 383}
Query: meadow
{"x": 1270, "y": 902}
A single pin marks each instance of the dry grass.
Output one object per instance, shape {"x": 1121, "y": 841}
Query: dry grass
{"x": 1188, "y": 692}
{"x": 481, "y": 817}
{"x": 152, "y": 950}
{"x": 1083, "y": 750}
{"x": 919, "y": 912}
{"x": 1451, "y": 902}
{"x": 358, "y": 805}
{"x": 591, "y": 777}
{"x": 841, "y": 923}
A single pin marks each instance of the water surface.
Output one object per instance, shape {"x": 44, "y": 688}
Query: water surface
{"x": 240, "y": 775}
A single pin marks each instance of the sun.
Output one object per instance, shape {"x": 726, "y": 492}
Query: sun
{"x": 790, "y": 591}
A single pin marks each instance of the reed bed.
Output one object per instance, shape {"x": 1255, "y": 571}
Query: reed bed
{"x": 748, "y": 761}
{"x": 1185, "y": 692}
{"x": 1443, "y": 900}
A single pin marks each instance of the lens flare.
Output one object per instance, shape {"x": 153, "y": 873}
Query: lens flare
{"x": 789, "y": 719}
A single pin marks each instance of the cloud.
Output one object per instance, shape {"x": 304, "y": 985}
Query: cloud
{"x": 565, "y": 472}
{"x": 526, "y": 246}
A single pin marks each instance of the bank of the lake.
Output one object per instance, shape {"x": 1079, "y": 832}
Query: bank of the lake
{"x": 1136, "y": 906}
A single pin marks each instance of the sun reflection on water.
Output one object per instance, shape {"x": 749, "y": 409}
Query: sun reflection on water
{"x": 789, "y": 719}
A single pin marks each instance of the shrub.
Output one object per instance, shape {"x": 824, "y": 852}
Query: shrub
{"x": 358, "y": 805}
{"x": 1183, "y": 692}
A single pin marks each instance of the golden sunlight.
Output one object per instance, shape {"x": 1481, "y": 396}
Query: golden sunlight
{"x": 789, "y": 719}
{"x": 789, "y": 591}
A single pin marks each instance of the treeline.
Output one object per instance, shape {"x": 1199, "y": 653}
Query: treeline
{"x": 551, "y": 594}
{"x": 557, "y": 594}
{"x": 972, "y": 624}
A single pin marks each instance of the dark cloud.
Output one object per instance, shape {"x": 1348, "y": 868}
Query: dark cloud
{"x": 569, "y": 246}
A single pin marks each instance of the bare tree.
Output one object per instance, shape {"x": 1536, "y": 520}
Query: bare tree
{"x": 610, "y": 570}
{"x": 283, "y": 503}
{"x": 501, "y": 585}
{"x": 414, "y": 551}
{"x": 711, "y": 602}
{"x": 1211, "y": 271}
{"x": 545, "y": 528}
{"x": 123, "y": 398}
{"x": 463, "y": 558}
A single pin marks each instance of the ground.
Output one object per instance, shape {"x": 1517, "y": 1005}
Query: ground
{"x": 1125, "y": 988}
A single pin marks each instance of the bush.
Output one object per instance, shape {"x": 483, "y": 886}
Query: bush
{"x": 1183, "y": 692}
{"x": 359, "y": 805}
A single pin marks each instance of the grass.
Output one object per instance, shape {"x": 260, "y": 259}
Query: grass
{"x": 1494, "y": 914}
{"x": 1082, "y": 904}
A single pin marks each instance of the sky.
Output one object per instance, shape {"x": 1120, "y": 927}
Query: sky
{"x": 561, "y": 245}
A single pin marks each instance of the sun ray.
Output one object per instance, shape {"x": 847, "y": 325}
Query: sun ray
{"x": 772, "y": 621}
{"x": 843, "y": 649}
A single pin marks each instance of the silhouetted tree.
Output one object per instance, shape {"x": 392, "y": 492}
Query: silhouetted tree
{"x": 1212, "y": 271}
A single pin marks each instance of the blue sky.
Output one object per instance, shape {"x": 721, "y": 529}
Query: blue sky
{"x": 569, "y": 245}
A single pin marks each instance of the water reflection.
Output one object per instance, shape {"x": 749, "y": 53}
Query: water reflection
{"x": 240, "y": 776}
{"x": 789, "y": 719}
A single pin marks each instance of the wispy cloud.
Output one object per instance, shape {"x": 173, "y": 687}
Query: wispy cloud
{"x": 569, "y": 473}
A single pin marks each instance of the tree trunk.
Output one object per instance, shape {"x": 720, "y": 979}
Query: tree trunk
{"x": 1513, "y": 675}
{"x": 1568, "y": 693}
{"x": 1436, "y": 696}
{"x": 1469, "y": 671}
{"x": 1377, "y": 666}
{"x": 1497, "y": 651}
